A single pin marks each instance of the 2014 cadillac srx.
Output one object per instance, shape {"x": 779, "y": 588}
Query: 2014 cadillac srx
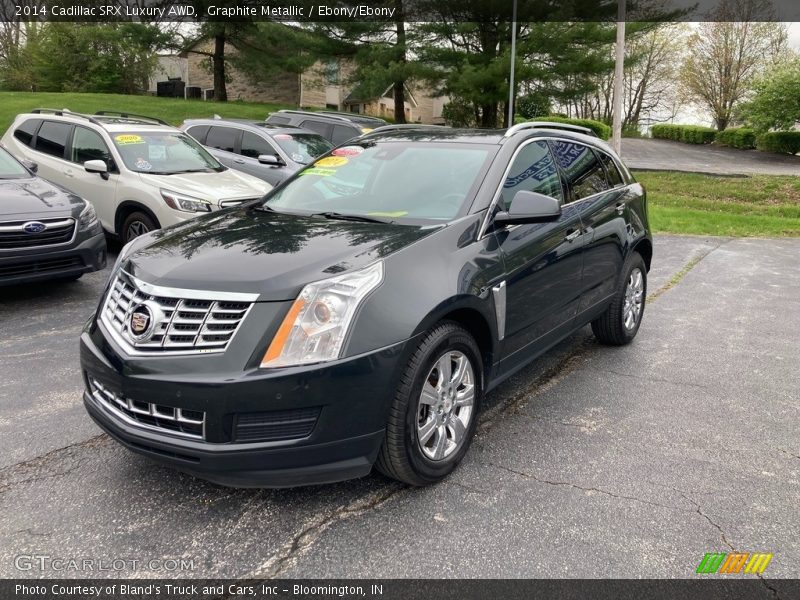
{"x": 358, "y": 313}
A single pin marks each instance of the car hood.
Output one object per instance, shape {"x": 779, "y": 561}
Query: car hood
{"x": 225, "y": 185}
{"x": 35, "y": 197}
{"x": 270, "y": 254}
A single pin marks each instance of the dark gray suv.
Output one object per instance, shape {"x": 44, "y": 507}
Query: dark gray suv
{"x": 269, "y": 152}
{"x": 336, "y": 127}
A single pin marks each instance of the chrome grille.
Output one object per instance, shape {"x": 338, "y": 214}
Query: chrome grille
{"x": 167, "y": 419}
{"x": 56, "y": 232}
{"x": 203, "y": 323}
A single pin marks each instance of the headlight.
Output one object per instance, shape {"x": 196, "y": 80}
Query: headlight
{"x": 88, "y": 218}
{"x": 316, "y": 326}
{"x": 185, "y": 203}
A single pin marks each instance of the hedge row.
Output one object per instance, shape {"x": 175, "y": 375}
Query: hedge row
{"x": 743, "y": 138}
{"x": 690, "y": 134}
{"x": 782, "y": 142}
{"x": 602, "y": 130}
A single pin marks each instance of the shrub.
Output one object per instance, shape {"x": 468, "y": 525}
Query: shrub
{"x": 689, "y": 134}
{"x": 782, "y": 142}
{"x": 743, "y": 138}
{"x": 602, "y": 130}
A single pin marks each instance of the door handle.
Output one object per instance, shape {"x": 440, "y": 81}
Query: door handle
{"x": 573, "y": 235}
{"x": 238, "y": 161}
{"x": 69, "y": 173}
{"x": 620, "y": 208}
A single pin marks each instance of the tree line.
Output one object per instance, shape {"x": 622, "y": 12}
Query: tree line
{"x": 734, "y": 66}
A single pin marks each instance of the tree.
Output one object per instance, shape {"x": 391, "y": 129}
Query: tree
{"x": 776, "y": 101}
{"x": 724, "y": 56}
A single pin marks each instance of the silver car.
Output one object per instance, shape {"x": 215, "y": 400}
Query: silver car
{"x": 269, "y": 152}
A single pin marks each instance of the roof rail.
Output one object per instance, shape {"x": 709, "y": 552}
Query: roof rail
{"x": 127, "y": 115}
{"x": 402, "y": 126}
{"x": 348, "y": 115}
{"x": 311, "y": 112}
{"x": 548, "y": 125}
{"x": 63, "y": 112}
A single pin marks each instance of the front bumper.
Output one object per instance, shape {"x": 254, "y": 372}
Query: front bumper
{"x": 27, "y": 266}
{"x": 353, "y": 397}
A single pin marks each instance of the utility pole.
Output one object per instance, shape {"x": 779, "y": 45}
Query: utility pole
{"x": 513, "y": 62}
{"x": 616, "y": 108}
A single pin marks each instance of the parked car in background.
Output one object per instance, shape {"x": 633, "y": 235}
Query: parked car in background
{"x": 269, "y": 152}
{"x": 138, "y": 172}
{"x": 46, "y": 232}
{"x": 337, "y": 325}
{"x": 336, "y": 127}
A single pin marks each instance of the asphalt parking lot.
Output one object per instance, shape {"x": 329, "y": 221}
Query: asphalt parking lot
{"x": 594, "y": 462}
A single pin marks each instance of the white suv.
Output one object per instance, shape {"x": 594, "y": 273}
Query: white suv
{"x": 138, "y": 172}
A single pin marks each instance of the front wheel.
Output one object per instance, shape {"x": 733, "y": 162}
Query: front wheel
{"x": 620, "y": 323}
{"x": 136, "y": 224}
{"x": 434, "y": 412}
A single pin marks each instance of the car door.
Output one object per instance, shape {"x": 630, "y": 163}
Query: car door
{"x": 601, "y": 202}
{"x": 98, "y": 189}
{"x": 253, "y": 146}
{"x": 222, "y": 143}
{"x": 543, "y": 261}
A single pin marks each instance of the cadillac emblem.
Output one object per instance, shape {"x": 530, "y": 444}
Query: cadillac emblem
{"x": 142, "y": 321}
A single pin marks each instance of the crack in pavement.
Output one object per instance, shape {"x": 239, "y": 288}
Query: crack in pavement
{"x": 13, "y": 475}
{"x": 584, "y": 489}
{"x": 651, "y": 379}
{"x": 305, "y": 539}
{"x": 683, "y": 272}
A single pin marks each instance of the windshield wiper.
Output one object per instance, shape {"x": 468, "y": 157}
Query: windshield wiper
{"x": 344, "y": 217}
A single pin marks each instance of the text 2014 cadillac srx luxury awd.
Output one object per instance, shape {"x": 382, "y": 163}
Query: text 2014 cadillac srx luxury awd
{"x": 358, "y": 313}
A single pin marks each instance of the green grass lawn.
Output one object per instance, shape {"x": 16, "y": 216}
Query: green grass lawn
{"x": 757, "y": 206}
{"x": 172, "y": 110}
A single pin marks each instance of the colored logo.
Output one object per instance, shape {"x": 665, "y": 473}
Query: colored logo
{"x": 34, "y": 227}
{"x": 143, "y": 319}
{"x": 724, "y": 563}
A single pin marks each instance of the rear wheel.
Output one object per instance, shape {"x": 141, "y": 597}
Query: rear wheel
{"x": 620, "y": 323}
{"x": 434, "y": 412}
{"x": 136, "y": 224}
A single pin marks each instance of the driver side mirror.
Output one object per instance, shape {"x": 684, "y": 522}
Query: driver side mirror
{"x": 30, "y": 165}
{"x": 97, "y": 166}
{"x": 270, "y": 159}
{"x": 530, "y": 207}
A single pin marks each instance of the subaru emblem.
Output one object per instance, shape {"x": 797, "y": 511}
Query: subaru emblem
{"x": 34, "y": 227}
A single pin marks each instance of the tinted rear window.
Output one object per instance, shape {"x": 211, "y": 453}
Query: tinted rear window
{"x": 222, "y": 138}
{"x": 279, "y": 120}
{"x": 52, "y": 138}
{"x": 24, "y": 133}
{"x": 198, "y": 132}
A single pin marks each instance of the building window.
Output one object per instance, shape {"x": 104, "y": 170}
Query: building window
{"x": 332, "y": 72}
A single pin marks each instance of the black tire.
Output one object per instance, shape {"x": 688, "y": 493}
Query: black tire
{"x": 401, "y": 457}
{"x": 610, "y": 327}
{"x": 136, "y": 224}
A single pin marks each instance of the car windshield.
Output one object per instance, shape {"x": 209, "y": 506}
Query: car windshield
{"x": 302, "y": 147}
{"x": 164, "y": 153}
{"x": 397, "y": 181}
{"x": 10, "y": 168}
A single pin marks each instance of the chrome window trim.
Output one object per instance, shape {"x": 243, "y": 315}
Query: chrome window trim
{"x": 482, "y": 232}
{"x": 57, "y": 224}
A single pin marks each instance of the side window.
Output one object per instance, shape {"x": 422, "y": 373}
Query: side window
{"x": 253, "y": 146}
{"x": 533, "y": 170}
{"x": 222, "y": 138}
{"x": 276, "y": 120}
{"x": 614, "y": 176}
{"x": 341, "y": 134}
{"x": 324, "y": 129}
{"x": 88, "y": 145}
{"x": 52, "y": 138}
{"x": 25, "y": 132}
{"x": 584, "y": 171}
{"x": 198, "y": 132}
